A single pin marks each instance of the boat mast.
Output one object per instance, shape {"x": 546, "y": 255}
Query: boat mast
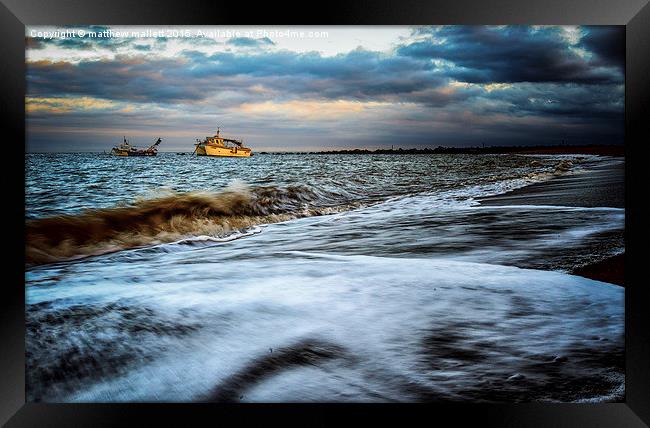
{"x": 153, "y": 146}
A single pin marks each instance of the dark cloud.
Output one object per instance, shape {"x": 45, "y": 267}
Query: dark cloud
{"x": 133, "y": 79}
{"x": 513, "y": 54}
{"x": 144, "y": 48}
{"x": 96, "y": 28}
{"x": 250, "y": 42}
{"x": 607, "y": 43}
{"x": 80, "y": 43}
{"x": 93, "y": 39}
{"x": 359, "y": 75}
{"x": 569, "y": 102}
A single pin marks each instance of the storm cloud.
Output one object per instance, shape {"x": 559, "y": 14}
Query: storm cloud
{"x": 482, "y": 54}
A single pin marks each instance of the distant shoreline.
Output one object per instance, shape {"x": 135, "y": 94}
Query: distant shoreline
{"x": 604, "y": 150}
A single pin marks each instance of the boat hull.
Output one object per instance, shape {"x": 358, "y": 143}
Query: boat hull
{"x": 127, "y": 153}
{"x": 227, "y": 152}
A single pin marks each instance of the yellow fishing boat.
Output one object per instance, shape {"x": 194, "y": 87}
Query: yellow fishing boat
{"x": 222, "y": 147}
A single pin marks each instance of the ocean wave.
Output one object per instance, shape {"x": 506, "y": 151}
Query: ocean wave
{"x": 170, "y": 218}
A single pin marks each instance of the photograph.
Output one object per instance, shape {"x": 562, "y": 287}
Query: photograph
{"x": 325, "y": 214}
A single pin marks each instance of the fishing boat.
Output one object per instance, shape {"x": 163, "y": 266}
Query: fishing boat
{"x": 126, "y": 149}
{"x": 221, "y": 147}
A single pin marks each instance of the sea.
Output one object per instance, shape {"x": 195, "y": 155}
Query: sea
{"x": 316, "y": 278}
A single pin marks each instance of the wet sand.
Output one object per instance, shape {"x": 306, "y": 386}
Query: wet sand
{"x": 609, "y": 270}
{"x": 599, "y": 186}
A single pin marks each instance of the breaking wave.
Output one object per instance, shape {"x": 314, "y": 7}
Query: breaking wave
{"x": 170, "y": 218}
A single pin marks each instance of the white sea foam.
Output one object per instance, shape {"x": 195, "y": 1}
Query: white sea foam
{"x": 378, "y": 310}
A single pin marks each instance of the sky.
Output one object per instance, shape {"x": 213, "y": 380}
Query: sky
{"x": 324, "y": 88}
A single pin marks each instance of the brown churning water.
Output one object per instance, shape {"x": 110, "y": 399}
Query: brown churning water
{"x": 163, "y": 219}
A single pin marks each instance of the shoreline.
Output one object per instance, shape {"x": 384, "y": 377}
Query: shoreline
{"x": 601, "y": 185}
{"x": 601, "y": 150}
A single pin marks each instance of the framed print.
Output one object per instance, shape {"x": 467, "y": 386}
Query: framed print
{"x": 378, "y": 212}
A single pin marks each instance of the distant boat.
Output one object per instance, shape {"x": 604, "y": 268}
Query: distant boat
{"x": 221, "y": 147}
{"x": 126, "y": 149}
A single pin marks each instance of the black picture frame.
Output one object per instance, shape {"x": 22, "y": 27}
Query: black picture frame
{"x": 16, "y": 14}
